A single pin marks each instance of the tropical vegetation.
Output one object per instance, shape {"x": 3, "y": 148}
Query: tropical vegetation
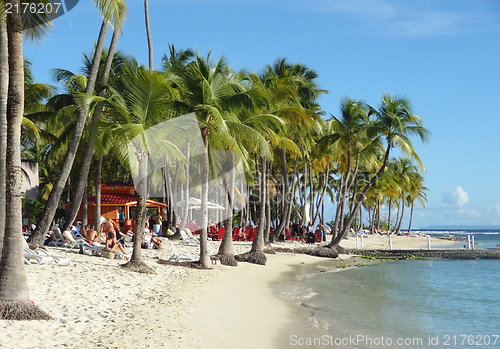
{"x": 269, "y": 124}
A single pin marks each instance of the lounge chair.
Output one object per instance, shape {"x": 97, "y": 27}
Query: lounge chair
{"x": 71, "y": 240}
{"x": 176, "y": 257}
{"x": 93, "y": 250}
{"x": 42, "y": 256}
{"x": 59, "y": 240}
{"x": 189, "y": 240}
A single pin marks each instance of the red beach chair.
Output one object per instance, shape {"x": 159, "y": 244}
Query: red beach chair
{"x": 253, "y": 233}
{"x": 220, "y": 233}
{"x": 319, "y": 237}
{"x": 236, "y": 233}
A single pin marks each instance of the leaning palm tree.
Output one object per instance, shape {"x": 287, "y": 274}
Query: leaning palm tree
{"x": 394, "y": 123}
{"x": 113, "y": 11}
{"x": 89, "y": 149}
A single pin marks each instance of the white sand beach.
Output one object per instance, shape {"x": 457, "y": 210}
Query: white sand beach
{"x": 98, "y": 305}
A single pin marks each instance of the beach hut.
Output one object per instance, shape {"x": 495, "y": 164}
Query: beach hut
{"x": 115, "y": 196}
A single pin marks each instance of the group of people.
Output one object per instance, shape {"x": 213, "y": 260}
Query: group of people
{"x": 109, "y": 234}
{"x": 307, "y": 233}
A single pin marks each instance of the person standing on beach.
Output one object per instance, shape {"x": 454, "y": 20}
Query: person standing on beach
{"x": 121, "y": 218}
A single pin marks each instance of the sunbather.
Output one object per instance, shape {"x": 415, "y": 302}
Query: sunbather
{"x": 150, "y": 238}
{"x": 113, "y": 245}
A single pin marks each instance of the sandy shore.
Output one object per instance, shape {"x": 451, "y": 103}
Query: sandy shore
{"x": 98, "y": 305}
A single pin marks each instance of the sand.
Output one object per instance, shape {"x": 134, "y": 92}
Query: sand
{"x": 98, "y": 305}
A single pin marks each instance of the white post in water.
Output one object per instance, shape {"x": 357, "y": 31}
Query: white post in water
{"x": 390, "y": 242}
{"x": 428, "y": 242}
{"x": 357, "y": 242}
{"x": 468, "y": 240}
{"x": 362, "y": 241}
{"x": 472, "y": 241}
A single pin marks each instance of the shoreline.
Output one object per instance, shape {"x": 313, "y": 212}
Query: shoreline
{"x": 96, "y": 304}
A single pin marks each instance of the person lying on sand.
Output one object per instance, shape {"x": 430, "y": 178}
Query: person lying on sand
{"x": 113, "y": 245}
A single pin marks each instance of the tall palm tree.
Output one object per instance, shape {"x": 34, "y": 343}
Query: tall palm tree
{"x": 132, "y": 118}
{"x": 114, "y": 11}
{"x": 148, "y": 34}
{"x": 395, "y": 124}
{"x": 4, "y": 89}
{"x": 14, "y": 290}
{"x": 89, "y": 149}
{"x": 214, "y": 93}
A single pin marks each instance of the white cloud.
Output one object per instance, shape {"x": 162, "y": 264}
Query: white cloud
{"x": 455, "y": 198}
{"x": 429, "y": 24}
{"x": 494, "y": 210}
{"x": 378, "y": 9}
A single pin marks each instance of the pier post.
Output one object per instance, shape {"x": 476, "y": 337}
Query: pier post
{"x": 428, "y": 242}
{"x": 357, "y": 242}
{"x": 362, "y": 241}
{"x": 472, "y": 241}
{"x": 468, "y": 241}
{"x": 390, "y": 242}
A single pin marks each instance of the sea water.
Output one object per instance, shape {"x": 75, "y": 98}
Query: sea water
{"x": 409, "y": 303}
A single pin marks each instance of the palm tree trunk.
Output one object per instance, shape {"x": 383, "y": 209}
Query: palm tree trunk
{"x": 89, "y": 149}
{"x": 136, "y": 262}
{"x": 359, "y": 201}
{"x": 175, "y": 186}
{"x": 4, "y": 88}
{"x": 378, "y": 214}
{"x": 258, "y": 242}
{"x": 267, "y": 203}
{"x": 15, "y": 301}
{"x": 148, "y": 34}
{"x": 98, "y": 180}
{"x": 85, "y": 207}
{"x": 287, "y": 199}
{"x": 322, "y": 198}
{"x": 55, "y": 195}
{"x": 335, "y": 229}
{"x": 411, "y": 217}
{"x": 204, "y": 257}
{"x": 389, "y": 219}
{"x": 185, "y": 211}
{"x": 402, "y": 212}
{"x": 168, "y": 188}
{"x": 226, "y": 249}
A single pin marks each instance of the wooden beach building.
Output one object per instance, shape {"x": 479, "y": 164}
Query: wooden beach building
{"x": 116, "y": 195}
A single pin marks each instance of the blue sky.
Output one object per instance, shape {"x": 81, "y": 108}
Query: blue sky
{"x": 443, "y": 55}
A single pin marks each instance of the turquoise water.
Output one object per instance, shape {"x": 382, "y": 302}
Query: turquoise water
{"x": 411, "y": 303}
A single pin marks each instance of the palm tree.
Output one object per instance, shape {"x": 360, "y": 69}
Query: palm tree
{"x": 4, "y": 89}
{"x": 14, "y": 290}
{"x": 346, "y": 136}
{"x": 395, "y": 123}
{"x": 148, "y": 34}
{"x": 132, "y": 118}
{"x": 114, "y": 11}
{"x": 215, "y": 94}
{"x": 417, "y": 191}
{"x": 89, "y": 150}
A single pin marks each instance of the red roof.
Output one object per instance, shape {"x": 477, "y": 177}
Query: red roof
{"x": 114, "y": 199}
{"x": 116, "y": 184}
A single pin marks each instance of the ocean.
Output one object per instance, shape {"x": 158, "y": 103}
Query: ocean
{"x": 408, "y": 303}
